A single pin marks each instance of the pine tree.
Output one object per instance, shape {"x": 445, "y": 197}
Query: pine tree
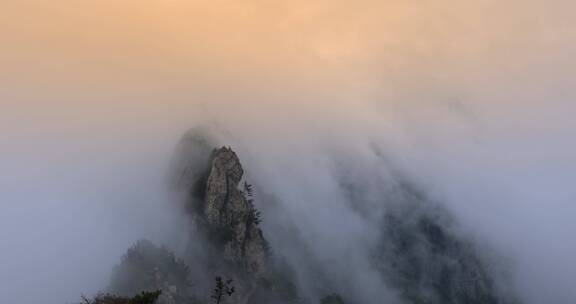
{"x": 222, "y": 289}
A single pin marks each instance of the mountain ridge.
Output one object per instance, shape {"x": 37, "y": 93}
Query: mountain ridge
{"x": 417, "y": 254}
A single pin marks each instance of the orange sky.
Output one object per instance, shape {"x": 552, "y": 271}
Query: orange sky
{"x": 69, "y": 59}
{"x": 154, "y": 39}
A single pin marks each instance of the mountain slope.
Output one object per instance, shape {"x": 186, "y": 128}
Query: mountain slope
{"x": 417, "y": 252}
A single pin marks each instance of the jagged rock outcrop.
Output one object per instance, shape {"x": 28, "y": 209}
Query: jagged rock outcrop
{"x": 225, "y": 238}
{"x": 229, "y": 214}
{"x": 228, "y": 241}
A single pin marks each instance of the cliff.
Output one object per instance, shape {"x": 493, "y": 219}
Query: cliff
{"x": 226, "y": 239}
{"x": 229, "y": 217}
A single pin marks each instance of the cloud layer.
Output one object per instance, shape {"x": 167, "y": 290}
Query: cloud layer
{"x": 472, "y": 101}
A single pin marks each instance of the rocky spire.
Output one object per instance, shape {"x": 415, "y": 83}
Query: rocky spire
{"x": 226, "y": 240}
{"x": 230, "y": 216}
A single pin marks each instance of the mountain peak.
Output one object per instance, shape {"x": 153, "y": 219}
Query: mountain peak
{"x": 228, "y": 213}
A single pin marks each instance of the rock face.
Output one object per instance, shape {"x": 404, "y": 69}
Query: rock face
{"x": 231, "y": 217}
{"x": 428, "y": 263}
{"x": 227, "y": 240}
{"x": 232, "y": 244}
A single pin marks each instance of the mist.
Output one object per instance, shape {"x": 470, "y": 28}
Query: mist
{"x": 473, "y": 103}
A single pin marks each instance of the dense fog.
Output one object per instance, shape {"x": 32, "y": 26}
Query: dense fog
{"x": 328, "y": 106}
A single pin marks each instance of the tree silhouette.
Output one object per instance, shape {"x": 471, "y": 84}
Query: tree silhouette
{"x": 254, "y": 216}
{"x": 222, "y": 289}
{"x": 248, "y": 189}
{"x": 142, "y": 298}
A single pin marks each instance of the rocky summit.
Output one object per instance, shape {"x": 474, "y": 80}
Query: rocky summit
{"x": 227, "y": 239}
{"x": 231, "y": 216}
{"x": 417, "y": 253}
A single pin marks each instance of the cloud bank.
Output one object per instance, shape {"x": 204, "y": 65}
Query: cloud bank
{"x": 471, "y": 101}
